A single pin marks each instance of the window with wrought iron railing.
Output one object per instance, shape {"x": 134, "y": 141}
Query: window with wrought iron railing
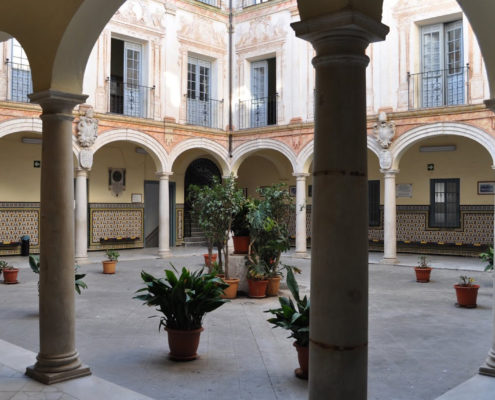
{"x": 214, "y": 3}
{"x": 131, "y": 99}
{"x": 21, "y": 83}
{"x": 249, "y": 3}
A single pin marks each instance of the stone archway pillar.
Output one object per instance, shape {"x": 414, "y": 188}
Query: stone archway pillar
{"x": 164, "y": 216}
{"x": 488, "y": 368}
{"x": 389, "y": 218}
{"x": 301, "y": 235}
{"x": 81, "y": 217}
{"x": 339, "y": 266}
{"x": 57, "y": 359}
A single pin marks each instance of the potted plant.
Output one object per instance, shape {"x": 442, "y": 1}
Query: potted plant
{"x": 9, "y": 273}
{"x": 466, "y": 292}
{"x": 423, "y": 270}
{"x": 488, "y": 257}
{"x": 215, "y": 207}
{"x": 294, "y": 316}
{"x": 34, "y": 263}
{"x": 111, "y": 262}
{"x": 257, "y": 277}
{"x": 183, "y": 299}
{"x": 240, "y": 230}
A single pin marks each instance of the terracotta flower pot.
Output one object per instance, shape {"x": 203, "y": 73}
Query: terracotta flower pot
{"x": 466, "y": 295}
{"x": 109, "y": 266}
{"x": 303, "y": 357}
{"x": 273, "y": 286}
{"x": 183, "y": 344}
{"x": 10, "y": 275}
{"x": 231, "y": 291}
{"x": 257, "y": 288}
{"x": 207, "y": 259}
{"x": 241, "y": 244}
{"x": 422, "y": 274}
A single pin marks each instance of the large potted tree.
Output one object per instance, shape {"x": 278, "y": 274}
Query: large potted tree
{"x": 184, "y": 299}
{"x": 240, "y": 230}
{"x": 294, "y": 316}
{"x": 215, "y": 207}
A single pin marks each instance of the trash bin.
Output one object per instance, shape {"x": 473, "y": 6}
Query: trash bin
{"x": 25, "y": 245}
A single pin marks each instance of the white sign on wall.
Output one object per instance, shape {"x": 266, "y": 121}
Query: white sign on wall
{"x": 403, "y": 190}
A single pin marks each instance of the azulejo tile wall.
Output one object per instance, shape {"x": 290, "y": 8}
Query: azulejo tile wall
{"x": 412, "y": 225}
{"x": 16, "y": 220}
{"x": 110, "y": 220}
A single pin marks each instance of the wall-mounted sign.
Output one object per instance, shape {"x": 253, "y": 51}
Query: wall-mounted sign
{"x": 403, "y": 190}
{"x": 37, "y": 164}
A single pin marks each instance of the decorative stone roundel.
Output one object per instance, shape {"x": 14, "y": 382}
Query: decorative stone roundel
{"x": 86, "y": 158}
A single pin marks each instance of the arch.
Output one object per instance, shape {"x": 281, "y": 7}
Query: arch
{"x": 156, "y": 150}
{"x": 248, "y": 148}
{"x": 29, "y": 125}
{"x": 215, "y": 149}
{"x": 415, "y": 135}
{"x": 373, "y": 145}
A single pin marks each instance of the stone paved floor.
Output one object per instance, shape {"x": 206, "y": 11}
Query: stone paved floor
{"x": 421, "y": 345}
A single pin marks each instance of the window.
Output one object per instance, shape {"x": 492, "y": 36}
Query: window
{"x": 444, "y": 203}
{"x": 374, "y": 203}
{"x": 214, "y": 3}
{"x": 443, "y": 73}
{"x": 21, "y": 82}
{"x": 127, "y": 94}
{"x": 261, "y": 109}
{"x": 248, "y": 3}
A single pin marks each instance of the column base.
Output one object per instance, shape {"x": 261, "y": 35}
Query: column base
{"x": 389, "y": 260}
{"x": 488, "y": 368}
{"x": 301, "y": 254}
{"x": 49, "y": 378}
{"x": 164, "y": 253}
{"x": 82, "y": 260}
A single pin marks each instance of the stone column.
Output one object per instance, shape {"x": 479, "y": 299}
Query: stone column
{"x": 338, "y": 351}
{"x": 389, "y": 218}
{"x": 57, "y": 359}
{"x": 81, "y": 220}
{"x": 488, "y": 368}
{"x": 301, "y": 214}
{"x": 164, "y": 216}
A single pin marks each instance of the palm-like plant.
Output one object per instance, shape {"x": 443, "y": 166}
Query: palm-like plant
{"x": 293, "y": 316}
{"x": 183, "y": 298}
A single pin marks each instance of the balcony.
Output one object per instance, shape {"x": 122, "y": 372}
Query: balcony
{"x": 214, "y": 3}
{"x": 258, "y": 112}
{"x": 21, "y": 83}
{"x": 249, "y": 3}
{"x": 131, "y": 99}
{"x": 207, "y": 113}
{"x": 441, "y": 88}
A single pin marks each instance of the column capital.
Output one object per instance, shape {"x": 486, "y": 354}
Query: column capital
{"x": 54, "y": 101}
{"x": 81, "y": 172}
{"x": 348, "y": 23}
{"x": 301, "y": 175}
{"x": 389, "y": 172}
{"x": 164, "y": 175}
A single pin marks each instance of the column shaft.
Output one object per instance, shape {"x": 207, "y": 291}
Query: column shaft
{"x": 301, "y": 235}
{"x": 58, "y": 359}
{"x": 164, "y": 217}
{"x": 339, "y": 263}
{"x": 389, "y": 219}
{"x": 81, "y": 217}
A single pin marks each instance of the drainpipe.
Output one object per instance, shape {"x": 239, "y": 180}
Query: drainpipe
{"x": 231, "y": 32}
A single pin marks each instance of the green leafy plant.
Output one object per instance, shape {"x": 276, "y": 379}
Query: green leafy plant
{"x": 112, "y": 255}
{"x": 34, "y": 263}
{"x": 488, "y": 257}
{"x": 423, "y": 262}
{"x": 257, "y": 272}
{"x": 466, "y": 281}
{"x": 183, "y": 298}
{"x": 3, "y": 265}
{"x": 240, "y": 223}
{"x": 293, "y": 315}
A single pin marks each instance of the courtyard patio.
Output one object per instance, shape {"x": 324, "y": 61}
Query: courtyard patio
{"x": 420, "y": 344}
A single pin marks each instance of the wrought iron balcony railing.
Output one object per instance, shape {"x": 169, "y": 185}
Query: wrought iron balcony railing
{"x": 258, "y": 112}
{"x": 214, "y": 3}
{"x": 208, "y": 113}
{"x": 131, "y": 99}
{"x": 446, "y": 87}
{"x": 249, "y": 3}
{"x": 21, "y": 83}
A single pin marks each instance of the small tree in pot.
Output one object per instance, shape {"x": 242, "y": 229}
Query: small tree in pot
{"x": 9, "y": 272}
{"x": 183, "y": 299}
{"x": 294, "y": 316}
{"x": 240, "y": 229}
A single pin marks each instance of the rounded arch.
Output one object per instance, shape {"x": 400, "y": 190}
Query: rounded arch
{"x": 155, "y": 149}
{"x": 373, "y": 145}
{"x": 246, "y": 149}
{"x": 220, "y": 153}
{"x": 415, "y": 135}
{"x": 29, "y": 125}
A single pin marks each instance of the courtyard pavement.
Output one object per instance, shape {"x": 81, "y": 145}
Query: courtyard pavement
{"x": 420, "y": 344}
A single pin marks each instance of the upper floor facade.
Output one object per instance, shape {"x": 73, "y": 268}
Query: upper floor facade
{"x": 175, "y": 61}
